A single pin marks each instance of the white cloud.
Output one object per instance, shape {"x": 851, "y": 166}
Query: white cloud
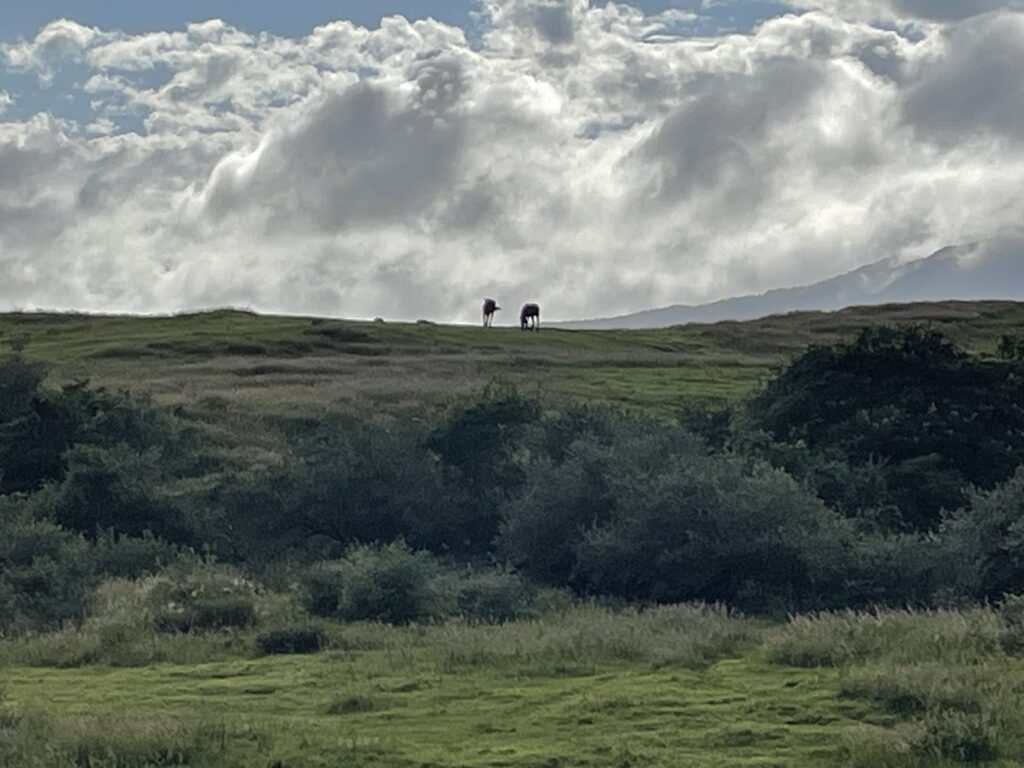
{"x": 584, "y": 157}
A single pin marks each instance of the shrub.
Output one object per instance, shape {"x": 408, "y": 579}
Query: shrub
{"x": 390, "y": 584}
{"x": 986, "y": 541}
{"x": 962, "y": 713}
{"x": 350, "y": 705}
{"x": 966, "y": 737}
{"x": 655, "y": 518}
{"x": 45, "y": 573}
{"x": 203, "y": 598}
{"x": 346, "y": 483}
{"x": 129, "y": 558}
{"x": 293, "y": 640}
{"x": 939, "y": 419}
{"x": 1011, "y": 610}
{"x": 492, "y": 596}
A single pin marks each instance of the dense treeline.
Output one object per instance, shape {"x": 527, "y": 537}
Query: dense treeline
{"x": 879, "y": 471}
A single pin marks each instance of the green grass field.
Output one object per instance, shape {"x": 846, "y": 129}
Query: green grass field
{"x": 676, "y": 686}
{"x": 358, "y": 709}
{"x": 291, "y": 365}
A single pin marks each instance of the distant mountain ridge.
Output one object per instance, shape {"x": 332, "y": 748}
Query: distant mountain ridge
{"x": 990, "y": 269}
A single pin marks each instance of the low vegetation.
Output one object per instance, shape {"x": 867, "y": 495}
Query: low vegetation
{"x": 826, "y": 571}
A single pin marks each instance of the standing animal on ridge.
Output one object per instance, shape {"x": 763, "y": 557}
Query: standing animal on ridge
{"x": 529, "y": 317}
{"x": 490, "y": 307}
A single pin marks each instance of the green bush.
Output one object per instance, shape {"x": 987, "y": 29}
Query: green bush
{"x": 202, "y": 598}
{"x": 351, "y": 705}
{"x": 293, "y": 640}
{"x": 964, "y": 713}
{"x": 491, "y": 596}
{"x": 390, "y": 584}
{"x": 656, "y": 518}
{"x": 966, "y": 737}
{"x": 46, "y": 574}
{"x": 130, "y": 558}
{"x": 1011, "y": 610}
{"x": 985, "y": 541}
{"x": 938, "y": 419}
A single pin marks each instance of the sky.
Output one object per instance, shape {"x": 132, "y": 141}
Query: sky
{"x": 407, "y": 158}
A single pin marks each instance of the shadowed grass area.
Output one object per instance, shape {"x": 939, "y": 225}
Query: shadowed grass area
{"x": 240, "y": 361}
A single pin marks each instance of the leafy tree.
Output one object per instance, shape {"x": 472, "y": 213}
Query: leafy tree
{"x": 985, "y": 541}
{"x": 345, "y": 482}
{"x": 1011, "y": 347}
{"x": 391, "y": 584}
{"x": 45, "y": 572}
{"x": 477, "y": 445}
{"x": 930, "y": 418}
{"x": 653, "y": 517}
{"x": 34, "y": 431}
{"x": 119, "y": 490}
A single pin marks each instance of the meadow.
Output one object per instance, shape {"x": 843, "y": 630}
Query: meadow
{"x": 591, "y": 686}
{"x": 242, "y": 362}
{"x": 166, "y": 657}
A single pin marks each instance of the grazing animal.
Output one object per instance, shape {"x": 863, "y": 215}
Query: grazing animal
{"x": 490, "y": 307}
{"x": 529, "y": 317}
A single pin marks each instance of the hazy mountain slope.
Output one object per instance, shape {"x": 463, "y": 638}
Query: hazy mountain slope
{"x": 993, "y": 269}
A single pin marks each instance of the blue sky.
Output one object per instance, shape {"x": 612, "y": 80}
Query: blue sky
{"x": 291, "y": 18}
{"x": 294, "y": 18}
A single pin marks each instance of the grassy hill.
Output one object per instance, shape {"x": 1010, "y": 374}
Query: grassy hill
{"x": 571, "y": 683}
{"x": 296, "y": 366}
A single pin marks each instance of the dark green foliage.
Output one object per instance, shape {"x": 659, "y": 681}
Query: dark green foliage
{"x": 293, "y": 640}
{"x": 932, "y": 419}
{"x": 45, "y": 573}
{"x": 347, "y": 482}
{"x": 129, "y": 558}
{"x": 350, "y": 705}
{"x": 121, "y": 490}
{"x": 476, "y": 446}
{"x": 34, "y": 431}
{"x": 477, "y": 437}
{"x": 491, "y": 596}
{"x": 202, "y": 599}
{"x": 897, "y": 569}
{"x": 986, "y": 541}
{"x": 1011, "y": 347}
{"x": 654, "y": 517}
{"x": 390, "y": 584}
{"x": 38, "y": 427}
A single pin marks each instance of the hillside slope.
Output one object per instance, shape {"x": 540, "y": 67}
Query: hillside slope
{"x": 240, "y": 362}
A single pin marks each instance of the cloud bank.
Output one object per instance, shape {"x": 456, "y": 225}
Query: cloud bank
{"x": 594, "y": 159}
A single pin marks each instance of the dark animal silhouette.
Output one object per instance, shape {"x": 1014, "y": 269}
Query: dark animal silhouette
{"x": 529, "y": 317}
{"x": 490, "y": 307}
